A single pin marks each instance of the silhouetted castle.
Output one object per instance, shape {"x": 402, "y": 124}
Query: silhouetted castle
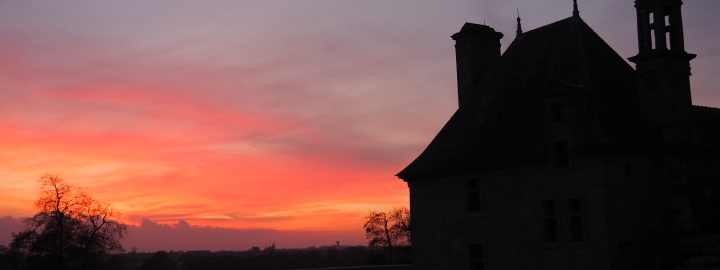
{"x": 562, "y": 156}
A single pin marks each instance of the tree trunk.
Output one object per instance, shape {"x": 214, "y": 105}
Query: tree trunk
{"x": 389, "y": 240}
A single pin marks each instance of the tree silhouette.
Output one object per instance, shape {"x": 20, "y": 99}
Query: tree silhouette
{"x": 388, "y": 230}
{"x": 71, "y": 228}
{"x": 400, "y": 230}
{"x": 159, "y": 261}
{"x": 8, "y": 258}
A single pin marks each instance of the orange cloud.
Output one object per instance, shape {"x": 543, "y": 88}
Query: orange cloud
{"x": 182, "y": 159}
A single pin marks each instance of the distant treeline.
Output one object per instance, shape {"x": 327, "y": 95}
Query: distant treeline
{"x": 267, "y": 259}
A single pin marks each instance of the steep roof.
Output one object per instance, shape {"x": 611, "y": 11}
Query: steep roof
{"x": 503, "y": 117}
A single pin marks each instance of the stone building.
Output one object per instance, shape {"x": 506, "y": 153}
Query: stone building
{"x": 563, "y": 156}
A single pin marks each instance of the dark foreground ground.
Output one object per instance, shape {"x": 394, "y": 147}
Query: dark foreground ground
{"x": 381, "y": 267}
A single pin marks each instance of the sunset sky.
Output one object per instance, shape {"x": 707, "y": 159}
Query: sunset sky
{"x": 256, "y": 115}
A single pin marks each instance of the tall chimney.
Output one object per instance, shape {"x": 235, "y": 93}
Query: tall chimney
{"x": 477, "y": 49}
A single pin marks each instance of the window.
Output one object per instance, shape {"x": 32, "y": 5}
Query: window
{"x": 660, "y": 39}
{"x": 576, "y": 219}
{"x": 476, "y": 257}
{"x": 550, "y": 221}
{"x": 652, "y": 38}
{"x": 474, "y": 197}
{"x": 561, "y": 157}
{"x": 558, "y": 113}
{"x": 565, "y": 225}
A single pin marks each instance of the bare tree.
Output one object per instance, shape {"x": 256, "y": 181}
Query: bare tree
{"x": 388, "y": 230}
{"x": 400, "y": 230}
{"x": 70, "y": 227}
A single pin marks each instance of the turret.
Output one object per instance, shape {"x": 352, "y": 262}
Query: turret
{"x": 477, "y": 49}
{"x": 663, "y": 68}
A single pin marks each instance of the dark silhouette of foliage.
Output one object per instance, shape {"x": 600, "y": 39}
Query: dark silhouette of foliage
{"x": 8, "y": 258}
{"x": 116, "y": 262}
{"x": 159, "y": 261}
{"x": 353, "y": 256}
{"x": 312, "y": 258}
{"x": 333, "y": 257}
{"x": 71, "y": 229}
{"x": 377, "y": 229}
{"x": 400, "y": 230}
{"x": 388, "y": 230}
{"x": 378, "y": 259}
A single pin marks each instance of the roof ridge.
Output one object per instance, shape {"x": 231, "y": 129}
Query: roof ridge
{"x": 705, "y": 107}
{"x": 548, "y": 25}
{"x": 586, "y": 72}
{"x": 583, "y": 53}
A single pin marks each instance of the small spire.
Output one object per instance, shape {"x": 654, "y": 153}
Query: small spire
{"x": 519, "y": 27}
{"x": 576, "y": 12}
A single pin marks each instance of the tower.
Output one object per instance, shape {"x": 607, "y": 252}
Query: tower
{"x": 663, "y": 68}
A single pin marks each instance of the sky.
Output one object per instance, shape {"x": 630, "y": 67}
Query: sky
{"x": 254, "y": 121}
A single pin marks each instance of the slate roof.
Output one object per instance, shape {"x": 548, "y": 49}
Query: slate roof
{"x": 503, "y": 118}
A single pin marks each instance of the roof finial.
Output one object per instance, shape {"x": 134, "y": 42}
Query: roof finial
{"x": 519, "y": 27}
{"x": 576, "y": 13}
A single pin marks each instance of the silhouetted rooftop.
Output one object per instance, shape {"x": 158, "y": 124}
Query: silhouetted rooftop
{"x": 504, "y": 116}
{"x": 477, "y": 30}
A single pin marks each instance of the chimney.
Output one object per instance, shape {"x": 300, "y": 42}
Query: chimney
{"x": 477, "y": 49}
